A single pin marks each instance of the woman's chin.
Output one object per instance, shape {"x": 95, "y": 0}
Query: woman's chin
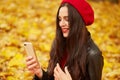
{"x": 65, "y": 35}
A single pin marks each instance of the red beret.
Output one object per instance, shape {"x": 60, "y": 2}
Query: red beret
{"x": 84, "y": 9}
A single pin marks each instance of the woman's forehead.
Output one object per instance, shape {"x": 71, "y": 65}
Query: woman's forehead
{"x": 63, "y": 11}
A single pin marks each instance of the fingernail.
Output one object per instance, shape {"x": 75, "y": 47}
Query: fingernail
{"x": 57, "y": 64}
{"x": 65, "y": 67}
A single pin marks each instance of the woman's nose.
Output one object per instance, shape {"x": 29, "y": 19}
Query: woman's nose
{"x": 62, "y": 23}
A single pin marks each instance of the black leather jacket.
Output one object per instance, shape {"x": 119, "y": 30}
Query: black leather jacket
{"x": 94, "y": 64}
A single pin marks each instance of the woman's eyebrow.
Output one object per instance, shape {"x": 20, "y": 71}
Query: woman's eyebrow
{"x": 63, "y": 16}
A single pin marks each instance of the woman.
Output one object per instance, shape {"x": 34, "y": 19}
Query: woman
{"x": 74, "y": 55}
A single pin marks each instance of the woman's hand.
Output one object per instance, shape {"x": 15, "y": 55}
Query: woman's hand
{"x": 61, "y": 75}
{"x": 33, "y": 66}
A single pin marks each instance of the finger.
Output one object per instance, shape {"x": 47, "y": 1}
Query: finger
{"x": 59, "y": 69}
{"x": 30, "y": 62}
{"x": 67, "y": 72}
{"x": 56, "y": 73}
{"x": 55, "y": 77}
{"x": 28, "y": 58}
{"x": 33, "y": 66}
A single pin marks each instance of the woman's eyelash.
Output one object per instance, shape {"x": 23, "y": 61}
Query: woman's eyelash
{"x": 65, "y": 18}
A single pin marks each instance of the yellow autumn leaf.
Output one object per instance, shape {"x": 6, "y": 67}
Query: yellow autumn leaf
{"x": 18, "y": 61}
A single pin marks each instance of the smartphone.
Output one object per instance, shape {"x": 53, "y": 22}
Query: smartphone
{"x": 30, "y": 50}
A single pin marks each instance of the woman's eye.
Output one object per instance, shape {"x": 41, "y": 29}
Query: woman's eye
{"x": 66, "y": 18}
{"x": 59, "y": 18}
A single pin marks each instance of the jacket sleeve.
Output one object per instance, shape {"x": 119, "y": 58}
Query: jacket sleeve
{"x": 95, "y": 65}
{"x": 44, "y": 77}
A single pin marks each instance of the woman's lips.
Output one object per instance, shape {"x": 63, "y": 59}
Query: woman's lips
{"x": 65, "y": 30}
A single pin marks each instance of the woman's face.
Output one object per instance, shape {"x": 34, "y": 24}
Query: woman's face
{"x": 63, "y": 20}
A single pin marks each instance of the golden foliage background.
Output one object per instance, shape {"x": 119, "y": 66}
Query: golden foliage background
{"x": 34, "y": 21}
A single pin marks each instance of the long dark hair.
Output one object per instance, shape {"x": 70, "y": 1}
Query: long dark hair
{"x": 75, "y": 45}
